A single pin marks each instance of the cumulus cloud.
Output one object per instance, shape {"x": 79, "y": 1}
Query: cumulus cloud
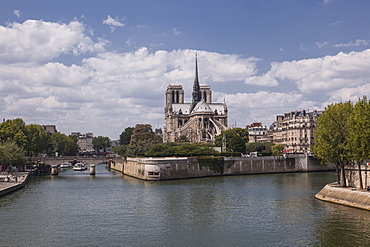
{"x": 358, "y": 42}
{"x": 17, "y": 13}
{"x": 113, "y": 23}
{"x": 322, "y": 74}
{"x": 40, "y": 41}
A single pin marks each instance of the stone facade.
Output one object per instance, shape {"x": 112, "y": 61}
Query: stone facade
{"x": 295, "y": 130}
{"x": 199, "y": 121}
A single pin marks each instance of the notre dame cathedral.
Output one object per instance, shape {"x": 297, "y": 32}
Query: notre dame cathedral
{"x": 200, "y": 121}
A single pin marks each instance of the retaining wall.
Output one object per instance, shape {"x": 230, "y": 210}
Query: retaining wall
{"x": 345, "y": 196}
{"x": 179, "y": 168}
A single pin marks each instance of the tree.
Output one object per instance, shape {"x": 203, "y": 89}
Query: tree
{"x": 37, "y": 139}
{"x": 277, "y": 149}
{"x": 358, "y": 141}
{"x": 141, "y": 139}
{"x": 125, "y": 136}
{"x": 229, "y": 135}
{"x": 331, "y": 137}
{"x": 12, "y": 154}
{"x": 101, "y": 143}
{"x": 237, "y": 144}
{"x": 14, "y": 130}
{"x": 64, "y": 145}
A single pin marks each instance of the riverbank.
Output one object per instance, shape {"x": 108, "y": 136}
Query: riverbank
{"x": 345, "y": 196}
{"x": 10, "y": 184}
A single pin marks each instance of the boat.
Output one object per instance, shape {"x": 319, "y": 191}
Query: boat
{"x": 65, "y": 165}
{"x": 79, "y": 167}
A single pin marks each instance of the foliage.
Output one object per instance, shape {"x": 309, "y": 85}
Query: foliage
{"x": 238, "y": 133}
{"x": 215, "y": 164}
{"x": 277, "y": 149}
{"x": 12, "y": 154}
{"x": 331, "y": 136}
{"x": 37, "y": 139}
{"x": 141, "y": 139}
{"x": 259, "y": 147}
{"x": 125, "y": 136}
{"x": 180, "y": 150}
{"x": 101, "y": 143}
{"x": 14, "y": 130}
{"x": 63, "y": 145}
{"x": 358, "y": 140}
{"x": 237, "y": 144}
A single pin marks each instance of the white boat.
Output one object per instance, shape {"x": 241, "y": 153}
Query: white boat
{"x": 79, "y": 167}
{"x": 65, "y": 165}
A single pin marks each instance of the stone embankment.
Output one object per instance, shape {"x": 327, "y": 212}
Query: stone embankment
{"x": 10, "y": 183}
{"x": 346, "y": 196}
{"x": 181, "y": 168}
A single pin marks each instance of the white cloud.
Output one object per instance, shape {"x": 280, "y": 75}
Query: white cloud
{"x": 321, "y": 45}
{"x": 358, "y": 42}
{"x": 176, "y": 31}
{"x": 17, "y": 13}
{"x": 113, "y": 23}
{"x": 40, "y": 41}
{"x": 322, "y": 74}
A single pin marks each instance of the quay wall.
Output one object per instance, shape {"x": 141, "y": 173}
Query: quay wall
{"x": 352, "y": 175}
{"x": 345, "y": 196}
{"x": 180, "y": 168}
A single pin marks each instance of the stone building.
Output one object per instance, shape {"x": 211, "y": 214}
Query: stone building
{"x": 295, "y": 130}
{"x": 259, "y": 133}
{"x": 200, "y": 121}
{"x": 84, "y": 141}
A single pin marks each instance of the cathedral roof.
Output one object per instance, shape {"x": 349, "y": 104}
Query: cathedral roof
{"x": 202, "y": 107}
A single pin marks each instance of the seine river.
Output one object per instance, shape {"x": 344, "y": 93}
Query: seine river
{"x": 109, "y": 209}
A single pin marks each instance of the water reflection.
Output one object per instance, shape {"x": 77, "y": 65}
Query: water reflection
{"x": 112, "y": 209}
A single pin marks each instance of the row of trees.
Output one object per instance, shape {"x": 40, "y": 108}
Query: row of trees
{"x": 343, "y": 136}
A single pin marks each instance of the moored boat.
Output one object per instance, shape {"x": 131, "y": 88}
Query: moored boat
{"x": 65, "y": 165}
{"x": 79, "y": 167}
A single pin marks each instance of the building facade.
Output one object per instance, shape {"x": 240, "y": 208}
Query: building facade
{"x": 295, "y": 130}
{"x": 200, "y": 121}
{"x": 84, "y": 141}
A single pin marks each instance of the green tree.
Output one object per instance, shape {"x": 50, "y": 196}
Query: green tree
{"x": 229, "y": 134}
{"x": 277, "y": 149}
{"x": 125, "y": 136}
{"x": 237, "y": 144}
{"x": 12, "y": 154}
{"x": 101, "y": 143}
{"x": 331, "y": 137}
{"x": 38, "y": 140}
{"x": 64, "y": 145}
{"x": 141, "y": 139}
{"x": 14, "y": 130}
{"x": 358, "y": 141}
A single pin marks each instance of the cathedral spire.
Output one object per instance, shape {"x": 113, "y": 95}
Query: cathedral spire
{"x": 196, "y": 87}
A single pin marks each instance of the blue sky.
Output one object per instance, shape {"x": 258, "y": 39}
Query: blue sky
{"x": 102, "y": 66}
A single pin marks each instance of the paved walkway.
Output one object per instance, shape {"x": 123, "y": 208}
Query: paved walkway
{"x": 16, "y": 181}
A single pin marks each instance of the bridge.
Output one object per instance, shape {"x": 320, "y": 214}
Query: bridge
{"x": 84, "y": 159}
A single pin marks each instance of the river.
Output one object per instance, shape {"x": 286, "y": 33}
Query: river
{"x": 110, "y": 209}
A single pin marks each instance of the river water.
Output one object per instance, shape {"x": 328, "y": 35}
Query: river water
{"x": 110, "y": 209}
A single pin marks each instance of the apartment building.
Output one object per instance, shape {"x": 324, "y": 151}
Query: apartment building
{"x": 295, "y": 130}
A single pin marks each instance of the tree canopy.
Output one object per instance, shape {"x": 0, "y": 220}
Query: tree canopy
{"x": 101, "y": 143}
{"x": 331, "y": 136}
{"x": 234, "y": 139}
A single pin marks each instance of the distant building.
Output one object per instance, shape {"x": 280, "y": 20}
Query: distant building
{"x": 50, "y": 129}
{"x": 84, "y": 141}
{"x": 259, "y": 133}
{"x": 295, "y": 130}
{"x": 200, "y": 121}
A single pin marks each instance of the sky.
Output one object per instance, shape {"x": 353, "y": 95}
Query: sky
{"x": 102, "y": 66}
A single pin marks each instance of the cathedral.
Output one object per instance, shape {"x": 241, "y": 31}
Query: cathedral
{"x": 200, "y": 121}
